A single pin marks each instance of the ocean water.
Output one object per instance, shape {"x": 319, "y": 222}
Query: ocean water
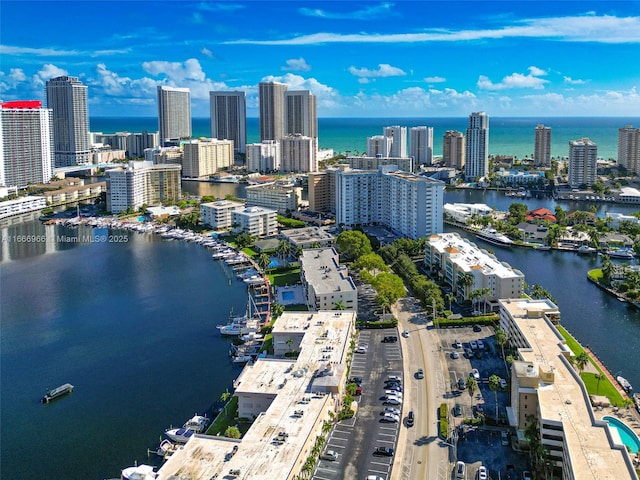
{"x": 507, "y": 135}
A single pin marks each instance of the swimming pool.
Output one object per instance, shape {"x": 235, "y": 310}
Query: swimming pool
{"x": 288, "y": 296}
{"x": 628, "y": 437}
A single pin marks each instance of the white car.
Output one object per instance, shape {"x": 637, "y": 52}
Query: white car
{"x": 392, "y": 401}
{"x": 361, "y": 349}
{"x": 393, "y": 393}
{"x": 390, "y": 418}
{"x": 475, "y": 374}
{"x": 474, "y": 344}
{"x": 480, "y": 344}
{"x": 391, "y": 410}
{"x": 329, "y": 455}
{"x": 394, "y": 378}
{"x": 405, "y": 334}
{"x": 482, "y": 473}
{"x": 503, "y": 383}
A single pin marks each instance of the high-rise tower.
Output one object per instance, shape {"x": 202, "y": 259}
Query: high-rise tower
{"x": 272, "y": 110}
{"x": 542, "y": 146}
{"x": 67, "y": 97}
{"x": 477, "y": 146}
{"x": 26, "y": 143}
{"x": 301, "y": 113}
{"x": 421, "y": 145}
{"x": 174, "y": 114}
{"x": 629, "y": 148}
{"x": 398, "y": 135}
{"x": 229, "y": 118}
{"x": 453, "y": 153}
{"x": 583, "y": 167}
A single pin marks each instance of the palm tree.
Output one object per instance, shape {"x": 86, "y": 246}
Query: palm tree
{"x": 450, "y": 298}
{"x": 263, "y": 261}
{"x": 598, "y": 377}
{"x": 466, "y": 280}
{"x": 501, "y": 339}
{"x": 472, "y": 387}
{"x": 484, "y": 292}
{"x": 339, "y": 305}
{"x": 581, "y": 361}
{"x": 607, "y": 268}
{"x": 494, "y": 384}
{"x": 283, "y": 250}
{"x": 224, "y": 398}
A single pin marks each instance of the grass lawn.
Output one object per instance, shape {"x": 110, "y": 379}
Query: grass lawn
{"x": 572, "y": 343}
{"x": 604, "y": 388}
{"x": 595, "y": 274}
{"x": 267, "y": 345}
{"x": 225, "y": 418}
{"x": 250, "y": 252}
{"x": 281, "y": 277}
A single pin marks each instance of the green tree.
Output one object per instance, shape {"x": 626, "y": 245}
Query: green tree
{"x": 517, "y": 213}
{"x": 494, "y": 385}
{"x": 339, "y": 305}
{"x": 607, "y": 268}
{"x": 538, "y": 291}
{"x": 501, "y": 339}
{"x": 244, "y": 240}
{"x": 372, "y": 262}
{"x": 472, "y": 387}
{"x": 598, "y": 377}
{"x": 283, "y": 250}
{"x": 466, "y": 281}
{"x": 450, "y": 298}
{"x": 581, "y": 361}
{"x": 232, "y": 432}
{"x": 263, "y": 260}
{"x": 224, "y": 398}
{"x": 389, "y": 287}
{"x": 276, "y": 310}
{"x": 353, "y": 244}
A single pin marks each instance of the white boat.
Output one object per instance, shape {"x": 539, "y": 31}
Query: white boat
{"x": 57, "y": 392}
{"x": 180, "y": 435}
{"x": 621, "y": 253}
{"x": 586, "y": 249}
{"x": 239, "y": 326}
{"x": 624, "y": 383}
{"x": 140, "y": 472}
{"x": 242, "y": 359}
{"x": 543, "y": 247}
{"x": 198, "y": 423}
{"x": 491, "y": 235}
{"x": 165, "y": 449}
{"x": 254, "y": 280}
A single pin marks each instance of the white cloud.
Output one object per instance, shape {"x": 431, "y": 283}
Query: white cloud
{"x": 296, "y": 65}
{"x": 572, "y": 81}
{"x": 176, "y": 72}
{"x": 207, "y": 53}
{"x": 384, "y": 70}
{"x": 435, "y": 79}
{"x": 515, "y": 80}
{"x": 54, "y": 52}
{"x": 47, "y": 72}
{"x": 219, "y": 6}
{"x": 578, "y": 28}
{"x": 607, "y": 102}
{"x": 367, "y": 13}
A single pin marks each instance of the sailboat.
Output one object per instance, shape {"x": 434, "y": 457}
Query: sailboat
{"x": 247, "y": 323}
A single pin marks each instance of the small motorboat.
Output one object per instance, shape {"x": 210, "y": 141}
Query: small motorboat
{"x": 197, "y": 423}
{"x": 57, "y": 392}
{"x": 624, "y": 383}
{"x": 180, "y": 435}
{"x": 141, "y": 472}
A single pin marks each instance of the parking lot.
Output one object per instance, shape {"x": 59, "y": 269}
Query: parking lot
{"x": 482, "y": 445}
{"x": 355, "y": 440}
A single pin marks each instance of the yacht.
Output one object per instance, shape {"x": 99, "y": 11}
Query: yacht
{"x": 198, "y": 423}
{"x": 621, "y": 253}
{"x": 624, "y": 383}
{"x": 239, "y": 326}
{"x": 180, "y": 435}
{"x": 140, "y": 472}
{"x": 586, "y": 249}
{"x": 491, "y": 235}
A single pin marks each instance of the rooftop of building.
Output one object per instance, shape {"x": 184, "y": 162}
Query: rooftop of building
{"x": 561, "y": 395}
{"x": 468, "y": 256}
{"x": 275, "y": 185}
{"x": 224, "y": 204}
{"x": 291, "y": 383}
{"x": 322, "y": 270}
{"x": 255, "y": 211}
{"x": 306, "y": 234}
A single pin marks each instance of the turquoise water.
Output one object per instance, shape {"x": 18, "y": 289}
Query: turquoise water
{"x": 629, "y": 438}
{"x": 288, "y": 296}
{"x": 507, "y": 135}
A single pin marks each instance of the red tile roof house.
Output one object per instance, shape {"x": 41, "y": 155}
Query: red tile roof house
{"x": 541, "y": 214}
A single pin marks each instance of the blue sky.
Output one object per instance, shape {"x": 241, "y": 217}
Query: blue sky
{"x": 361, "y": 59}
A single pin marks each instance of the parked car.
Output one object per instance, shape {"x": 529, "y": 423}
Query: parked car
{"x": 329, "y": 455}
{"x": 457, "y": 343}
{"x": 461, "y": 384}
{"x": 420, "y": 374}
{"x": 361, "y": 349}
{"x": 393, "y": 393}
{"x": 480, "y": 344}
{"x": 474, "y": 344}
{"x": 390, "y": 339}
{"x": 454, "y": 355}
{"x": 390, "y": 418}
{"x": 405, "y": 334}
{"x": 410, "y": 419}
{"x": 477, "y": 328}
{"x": 395, "y": 388}
{"x": 457, "y": 410}
{"x": 461, "y": 470}
{"x": 394, "y": 378}
{"x": 504, "y": 438}
{"x": 468, "y": 352}
{"x": 392, "y": 401}
{"x": 356, "y": 380}
{"x": 383, "y": 451}
{"x": 391, "y": 410}
{"x": 482, "y": 473}
{"x": 475, "y": 374}
{"x": 503, "y": 383}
